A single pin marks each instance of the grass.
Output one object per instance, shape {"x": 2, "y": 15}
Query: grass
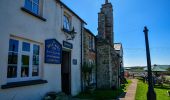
{"x": 99, "y": 94}
{"x": 127, "y": 85}
{"x": 104, "y": 94}
{"x": 161, "y": 92}
{"x": 167, "y": 77}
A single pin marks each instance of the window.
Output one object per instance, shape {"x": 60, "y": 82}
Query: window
{"x": 12, "y": 58}
{"x": 66, "y": 23}
{"x": 25, "y": 46}
{"x": 32, "y": 5}
{"x": 93, "y": 71}
{"x": 91, "y": 44}
{"x": 35, "y": 64}
{"x": 23, "y": 60}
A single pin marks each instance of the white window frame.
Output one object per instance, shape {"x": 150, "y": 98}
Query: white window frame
{"x": 20, "y": 53}
{"x": 37, "y": 4}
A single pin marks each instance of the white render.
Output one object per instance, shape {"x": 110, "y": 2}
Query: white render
{"x": 19, "y": 24}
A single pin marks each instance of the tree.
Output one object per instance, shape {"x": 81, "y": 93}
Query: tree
{"x": 86, "y": 70}
{"x": 168, "y": 70}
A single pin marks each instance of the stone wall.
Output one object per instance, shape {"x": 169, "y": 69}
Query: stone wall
{"x": 115, "y": 68}
{"x": 88, "y": 54}
{"x": 103, "y": 63}
{"x": 89, "y": 57}
{"x": 105, "y": 22}
{"x": 107, "y": 65}
{"x": 107, "y": 58}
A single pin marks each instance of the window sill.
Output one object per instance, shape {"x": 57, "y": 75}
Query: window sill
{"x": 28, "y": 11}
{"x": 23, "y": 83}
{"x": 91, "y": 50}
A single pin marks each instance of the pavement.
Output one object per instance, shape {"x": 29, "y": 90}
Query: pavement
{"x": 131, "y": 91}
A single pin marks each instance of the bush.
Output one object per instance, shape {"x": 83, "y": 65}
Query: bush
{"x": 54, "y": 96}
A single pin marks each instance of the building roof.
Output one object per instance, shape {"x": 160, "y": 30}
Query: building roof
{"x": 59, "y": 1}
{"x": 89, "y": 31}
{"x": 117, "y": 46}
{"x": 159, "y": 68}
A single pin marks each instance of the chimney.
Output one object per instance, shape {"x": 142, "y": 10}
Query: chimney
{"x": 106, "y": 1}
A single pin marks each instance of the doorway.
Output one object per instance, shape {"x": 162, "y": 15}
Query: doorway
{"x": 66, "y": 72}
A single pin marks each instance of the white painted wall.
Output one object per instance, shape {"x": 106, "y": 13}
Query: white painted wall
{"x": 14, "y": 21}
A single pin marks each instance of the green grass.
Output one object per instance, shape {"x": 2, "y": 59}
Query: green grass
{"x": 100, "y": 94}
{"x": 167, "y": 77}
{"x": 127, "y": 85}
{"x": 104, "y": 94}
{"x": 161, "y": 92}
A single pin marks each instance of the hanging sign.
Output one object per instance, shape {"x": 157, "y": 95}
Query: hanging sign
{"x": 67, "y": 45}
{"x": 53, "y": 51}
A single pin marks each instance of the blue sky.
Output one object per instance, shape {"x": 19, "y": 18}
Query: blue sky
{"x": 130, "y": 16}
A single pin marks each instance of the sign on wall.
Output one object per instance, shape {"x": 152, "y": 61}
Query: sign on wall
{"x": 67, "y": 45}
{"x": 53, "y": 51}
{"x": 74, "y": 61}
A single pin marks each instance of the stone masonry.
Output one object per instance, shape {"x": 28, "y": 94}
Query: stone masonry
{"x": 105, "y": 22}
{"x": 89, "y": 55}
{"x": 107, "y": 58}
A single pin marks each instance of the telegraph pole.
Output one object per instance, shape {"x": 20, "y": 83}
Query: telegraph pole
{"x": 151, "y": 95}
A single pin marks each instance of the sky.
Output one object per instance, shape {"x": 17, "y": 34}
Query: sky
{"x": 130, "y": 17}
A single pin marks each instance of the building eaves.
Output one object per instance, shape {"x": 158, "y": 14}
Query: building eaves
{"x": 89, "y": 31}
{"x": 65, "y": 6}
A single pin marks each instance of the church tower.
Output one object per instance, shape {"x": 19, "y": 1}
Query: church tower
{"x": 105, "y": 22}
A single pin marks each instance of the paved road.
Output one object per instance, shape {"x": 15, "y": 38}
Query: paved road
{"x": 131, "y": 91}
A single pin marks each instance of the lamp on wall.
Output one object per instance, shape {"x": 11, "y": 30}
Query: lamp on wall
{"x": 70, "y": 35}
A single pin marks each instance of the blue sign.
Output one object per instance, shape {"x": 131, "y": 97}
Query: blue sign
{"x": 74, "y": 61}
{"x": 53, "y": 51}
{"x": 67, "y": 45}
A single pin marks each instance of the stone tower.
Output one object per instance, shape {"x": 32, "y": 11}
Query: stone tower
{"x": 107, "y": 59}
{"x": 105, "y": 22}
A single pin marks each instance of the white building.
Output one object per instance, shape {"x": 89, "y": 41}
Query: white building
{"x": 40, "y": 49}
{"x": 119, "y": 50}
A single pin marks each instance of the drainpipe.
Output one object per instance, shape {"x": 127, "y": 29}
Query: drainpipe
{"x": 96, "y": 58}
{"x": 81, "y": 56}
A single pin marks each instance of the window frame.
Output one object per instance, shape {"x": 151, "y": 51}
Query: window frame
{"x": 19, "y": 78}
{"x": 93, "y": 40}
{"x": 15, "y": 52}
{"x": 68, "y": 22}
{"x": 92, "y": 43}
{"x": 89, "y": 42}
{"x": 32, "y": 6}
